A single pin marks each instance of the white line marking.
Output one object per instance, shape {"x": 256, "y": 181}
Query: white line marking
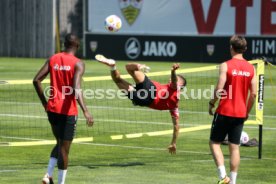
{"x": 127, "y": 108}
{"x": 130, "y": 121}
{"x": 4, "y": 171}
{"x": 163, "y": 149}
{"x": 269, "y": 86}
{"x": 82, "y": 119}
{"x": 20, "y": 138}
{"x": 256, "y": 127}
{"x": 24, "y": 116}
{"x": 146, "y": 148}
{"x": 125, "y": 121}
{"x": 21, "y": 103}
{"x": 225, "y": 159}
{"x": 204, "y": 160}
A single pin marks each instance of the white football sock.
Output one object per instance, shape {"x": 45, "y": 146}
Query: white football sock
{"x": 221, "y": 172}
{"x": 233, "y": 177}
{"x": 61, "y": 176}
{"x": 51, "y": 166}
{"x": 112, "y": 68}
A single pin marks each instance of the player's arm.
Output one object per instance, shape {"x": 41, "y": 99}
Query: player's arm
{"x": 79, "y": 71}
{"x": 175, "y": 66}
{"x": 40, "y": 76}
{"x": 252, "y": 94}
{"x": 219, "y": 87}
{"x": 175, "y": 121}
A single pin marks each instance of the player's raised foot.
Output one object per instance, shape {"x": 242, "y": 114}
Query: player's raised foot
{"x": 225, "y": 180}
{"x": 104, "y": 60}
{"x": 47, "y": 180}
{"x": 144, "y": 68}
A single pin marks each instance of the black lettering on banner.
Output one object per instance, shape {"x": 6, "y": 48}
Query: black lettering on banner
{"x": 261, "y": 93}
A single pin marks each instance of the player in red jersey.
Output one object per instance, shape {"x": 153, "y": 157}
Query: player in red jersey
{"x": 237, "y": 80}
{"x": 150, "y": 93}
{"x": 66, "y": 72}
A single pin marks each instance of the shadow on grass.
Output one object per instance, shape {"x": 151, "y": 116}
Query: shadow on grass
{"x": 128, "y": 164}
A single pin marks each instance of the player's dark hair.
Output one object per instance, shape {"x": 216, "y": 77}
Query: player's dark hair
{"x": 238, "y": 44}
{"x": 183, "y": 79}
{"x": 71, "y": 41}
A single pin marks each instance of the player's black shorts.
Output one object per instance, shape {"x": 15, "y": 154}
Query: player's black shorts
{"x": 64, "y": 126}
{"x": 144, "y": 93}
{"x": 225, "y": 125}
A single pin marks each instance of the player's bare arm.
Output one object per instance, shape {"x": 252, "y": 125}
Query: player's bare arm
{"x": 175, "y": 121}
{"x": 219, "y": 87}
{"x": 252, "y": 94}
{"x": 172, "y": 146}
{"x": 79, "y": 71}
{"x": 40, "y": 76}
{"x": 175, "y": 66}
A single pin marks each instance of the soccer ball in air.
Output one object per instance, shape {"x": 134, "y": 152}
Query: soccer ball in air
{"x": 113, "y": 23}
{"x": 244, "y": 138}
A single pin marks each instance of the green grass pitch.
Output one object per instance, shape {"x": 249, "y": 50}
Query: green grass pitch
{"x": 137, "y": 161}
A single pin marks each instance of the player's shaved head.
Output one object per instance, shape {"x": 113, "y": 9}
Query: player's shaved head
{"x": 182, "y": 78}
{"x": 71, "y": 41}
{"x": 238, "y": 44}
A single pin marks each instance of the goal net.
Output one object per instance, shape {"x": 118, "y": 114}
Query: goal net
{"x": 22, "y": 118}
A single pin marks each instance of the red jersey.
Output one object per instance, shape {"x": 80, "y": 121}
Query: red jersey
{"x": 166, "y": 97}
{"x": 62, "y": 69}
{"x": 239, "y": 76}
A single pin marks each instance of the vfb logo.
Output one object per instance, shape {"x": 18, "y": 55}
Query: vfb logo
{"x": 133, "y": 48}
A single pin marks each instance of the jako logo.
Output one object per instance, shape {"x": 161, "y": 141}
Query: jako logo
{"x": 151, "y": 48}
{"x": 57, "y": 67}
{"x": 159, "y": 48}
{"x": 132, "y": 48}
{"x": 240, "y": 73}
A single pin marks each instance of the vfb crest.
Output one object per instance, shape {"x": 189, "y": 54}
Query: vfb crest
{"x": 131, "y": 9}
{"x": 93, "y": 46}
{"x": 210, "y": 49}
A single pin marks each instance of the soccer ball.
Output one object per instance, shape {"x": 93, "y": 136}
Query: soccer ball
{"x": 113, "y": 23}
{"x": 244, "y": 138}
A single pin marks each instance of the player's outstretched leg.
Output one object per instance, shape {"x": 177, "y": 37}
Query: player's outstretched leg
{"x": 104, "y": 60}
{"x": 137, "y": 71}
{"x": 115, "y": 74}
